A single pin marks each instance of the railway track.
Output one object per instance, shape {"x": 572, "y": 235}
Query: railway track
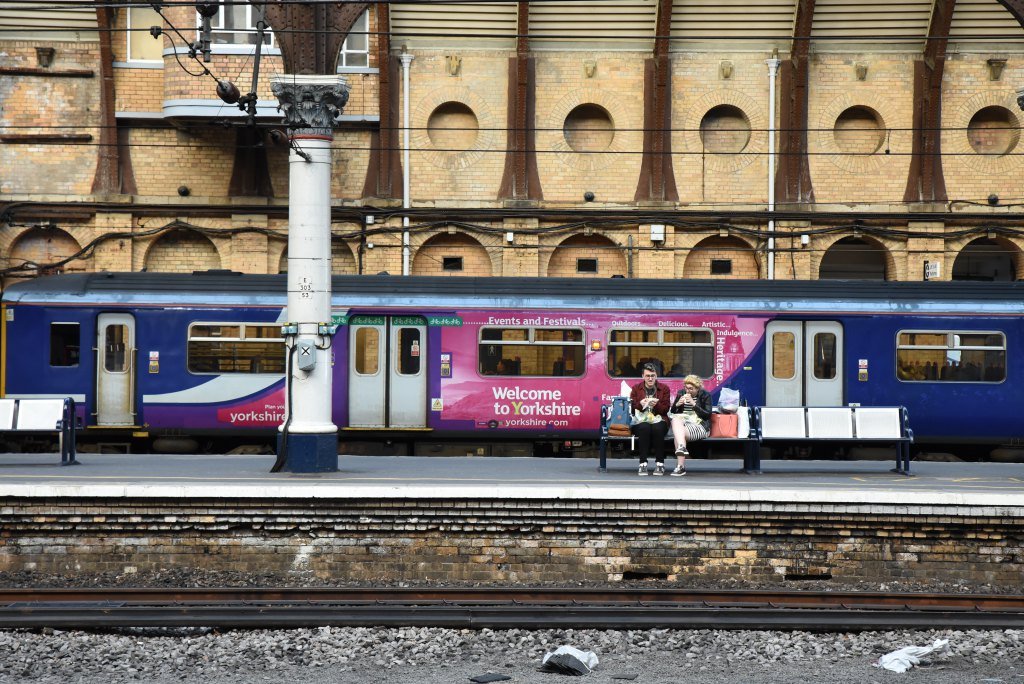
{"x": 503, "y": 608}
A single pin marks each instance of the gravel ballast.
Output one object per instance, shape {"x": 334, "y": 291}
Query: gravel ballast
{"x": 443, "y": 656}
{"x": 432, "y": 655}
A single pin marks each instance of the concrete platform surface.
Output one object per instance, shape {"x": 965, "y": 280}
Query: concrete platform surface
{"x": 394, "y": 477}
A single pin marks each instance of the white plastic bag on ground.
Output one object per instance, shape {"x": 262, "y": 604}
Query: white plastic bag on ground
{"x": 905, "y": 658}
{"x": 570, "y": 661}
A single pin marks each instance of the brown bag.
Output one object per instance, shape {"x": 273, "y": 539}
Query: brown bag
{"x": 619, "y": 430}
{"x": 724, "y": 424}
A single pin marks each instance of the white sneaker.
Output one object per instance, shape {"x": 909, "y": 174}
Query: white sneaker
{"x": 659, "y": 469}
{"x": 642, "y": 470}
{"x": 679, "y": 471}
{"x": 681, "y": 451}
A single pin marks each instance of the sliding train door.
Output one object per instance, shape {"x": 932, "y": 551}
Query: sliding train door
{"x": 115, "y": 369}
{"x": 387, "y": 372}
{"x": 804, "y": 363}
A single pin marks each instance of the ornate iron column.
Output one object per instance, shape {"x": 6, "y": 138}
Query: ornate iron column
{"x": 310, "y": 104}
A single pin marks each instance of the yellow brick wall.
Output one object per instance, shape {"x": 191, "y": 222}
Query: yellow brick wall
{"x": 966, "y": 90}
{"x": 430, "y": 255}
{"x": 610, "y": 257}
{"x": 52, "y": 106}
{"x": 464, "y": 167}
{"x": 447, "y": 173}
{"x": 888, "y": 90}
{"x": 181, "y": 251}
{"x": 697, "y": 262}
{"x": 703, "y": 176}
{"x": 201, "y": 159}
{"x": 616, "y": 87}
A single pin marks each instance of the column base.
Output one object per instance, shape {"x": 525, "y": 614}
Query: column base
{"x": 309, "y": 453}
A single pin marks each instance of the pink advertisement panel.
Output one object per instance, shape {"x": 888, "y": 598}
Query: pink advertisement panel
{"x": 571, "y": 403}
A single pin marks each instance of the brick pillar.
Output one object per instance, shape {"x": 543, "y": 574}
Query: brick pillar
{"x": 386, "y": 254}
{"x": 520, "y": 258}
{"x": 922, "y": 249}
{"x": 653, "y": 263}
{"x": 795, "y": 262}
{"x": 113, "y": 255}
{"x": 249, "y": 251}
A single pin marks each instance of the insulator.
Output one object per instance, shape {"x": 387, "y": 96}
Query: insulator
{"x": 228, "y": 91}
{"x": 207, "y": 9}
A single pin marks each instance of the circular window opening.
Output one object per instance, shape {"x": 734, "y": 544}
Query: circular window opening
{"x": 859, "y": 130}
{"x": 589, "y": 128}
{"x": 726, "y": 129}
{"x": 993, "y": 130}
{"x": 452, "y": 127}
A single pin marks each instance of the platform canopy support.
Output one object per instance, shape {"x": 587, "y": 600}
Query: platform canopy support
{"x": 311, "y": 105}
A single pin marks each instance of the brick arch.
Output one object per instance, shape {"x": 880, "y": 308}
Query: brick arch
{"x": 182, "y": 251}
{"x": 696, "y": 262}
{"x": 343, "y": 262}
{"x": 832, "y": 254}
{"x": 43, "y": 246}
{"x": 1013, "y": 249}
{"x": 610, "y": 257}
{"x": 430, "y": 254}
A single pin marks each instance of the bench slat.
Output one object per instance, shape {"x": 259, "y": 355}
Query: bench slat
{"x": 39, "y": 414}
{"x": 878, "y": 423}
{"x": 7, "y": 414}
{"x": 783, "y": 423}
{"x": 835, "y": 423}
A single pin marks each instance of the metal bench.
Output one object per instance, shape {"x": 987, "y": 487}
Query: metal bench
{"x": 43, "y": 415}
{"x": 606, "y": 438}
{"x": 854, "y": 424}
{"x": 749, "y": 442}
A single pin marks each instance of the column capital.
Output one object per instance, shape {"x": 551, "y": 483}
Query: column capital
{"x": 310, "y": 103}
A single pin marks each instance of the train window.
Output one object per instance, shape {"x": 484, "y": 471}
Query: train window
{"x": 824, "y": 356}
{"x": 115, "y": 348}
{"x": 674, "y": 353}
{"x": 408, "y": 351}
{"x": 951, "y": 356}
{"x": 64, "y": 344}
{"x": 548, "y": 352}
{"x": 235, "y": 348}
{"x": 783, "y": 355}
{"x": 367, "y": 351}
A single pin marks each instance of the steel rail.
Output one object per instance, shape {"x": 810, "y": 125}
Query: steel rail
{"x": 498, "y": 608}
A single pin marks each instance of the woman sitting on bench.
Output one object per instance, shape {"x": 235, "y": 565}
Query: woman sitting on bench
{"x": 690, "y": 416}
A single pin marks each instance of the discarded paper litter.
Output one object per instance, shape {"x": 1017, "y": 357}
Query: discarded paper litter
{"x": 569, "y": 661}
{"x": 905, "y": 658}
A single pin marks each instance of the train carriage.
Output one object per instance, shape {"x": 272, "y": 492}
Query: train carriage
{"x": 510, "y": 361}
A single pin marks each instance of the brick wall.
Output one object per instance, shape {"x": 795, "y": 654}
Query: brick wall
{"x": 508, "y": 541}
{"x": 589, "y": 116}
{"x": 431, "y": 255}
{"x": 182, "y": 251}
{"x": 566, "y": 257}
{"x": 738, "y": 254}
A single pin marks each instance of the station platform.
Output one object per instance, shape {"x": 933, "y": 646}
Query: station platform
{"x": 162, "y": 476}
{"x": 514, "y": 520}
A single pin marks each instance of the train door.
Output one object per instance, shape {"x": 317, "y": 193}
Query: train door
{"x": 387, "y": 374}
{"x": 804, "y": 363}
{"x": 115, "y": 369}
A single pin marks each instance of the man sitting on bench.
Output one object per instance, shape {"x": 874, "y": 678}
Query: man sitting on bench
{"x": 650, "y": 399}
